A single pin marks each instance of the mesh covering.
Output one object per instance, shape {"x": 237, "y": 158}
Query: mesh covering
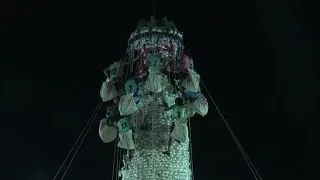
{"x": 152, "y": 126}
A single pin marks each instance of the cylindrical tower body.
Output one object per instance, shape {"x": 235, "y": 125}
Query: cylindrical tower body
{"x": 161, "y": 92}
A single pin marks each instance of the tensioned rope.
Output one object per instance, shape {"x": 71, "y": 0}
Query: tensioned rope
{"x": 189, "y": 127}
{"x": 117, "y": 155}
{"x": 74, "y": 145}
{"x": 74, "y": 155}
{"x": 244, "y": 154}
{"x": 190, "y": 146}
{"x": 114, "y": 159}
{"x": 117, "y": 162}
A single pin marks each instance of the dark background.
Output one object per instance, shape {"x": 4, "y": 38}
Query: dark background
{"x": 257, "y": 58}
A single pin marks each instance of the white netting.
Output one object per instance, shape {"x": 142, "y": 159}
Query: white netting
{"x": 200, "y": 105}
{"x": 180, "y": 132}
{"x": 154, "y": 82}
{"x": 107, "y": 133}
{"x": 108, "y": 91}
{"x": 127, "y": 105}
{"x": 126, "y": 141}
{"x": 114, "y": 71}
{"x": 192, "y": 82}
{"x": 155, "y": 165}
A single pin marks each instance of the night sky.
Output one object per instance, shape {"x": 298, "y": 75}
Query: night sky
{"x": 257, "y": 59}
